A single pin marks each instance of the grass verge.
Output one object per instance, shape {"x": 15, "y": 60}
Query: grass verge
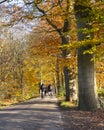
{"x": 66, "y": 104}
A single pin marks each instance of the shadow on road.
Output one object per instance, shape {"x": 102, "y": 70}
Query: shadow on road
{"x": 35, "y": 114}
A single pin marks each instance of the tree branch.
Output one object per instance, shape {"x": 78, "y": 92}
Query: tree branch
{"x": 48, "y": 20}
{"x": 2, "y": 1}
{"x": 44, "y": 13}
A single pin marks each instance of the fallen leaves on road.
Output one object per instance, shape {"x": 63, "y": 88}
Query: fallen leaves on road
{"x": 82, "y": 120}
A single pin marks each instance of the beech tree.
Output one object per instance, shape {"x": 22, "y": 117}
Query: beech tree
{"x": 86, "y": 69}
{"x": 57, "y": 14}
{"x": 44, "y": 50}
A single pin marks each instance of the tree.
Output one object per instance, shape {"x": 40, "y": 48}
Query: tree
{"x": 86, "y": 70}
{"x": 57, "y": 14}
{"x": 44, "y": 49}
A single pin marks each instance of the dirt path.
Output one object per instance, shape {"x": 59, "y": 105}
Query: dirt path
{"x": 35, "y": 114}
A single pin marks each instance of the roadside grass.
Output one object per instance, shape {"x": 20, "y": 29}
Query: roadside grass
{"x": 7, "y": 102}
{"x": 66, "y": 104}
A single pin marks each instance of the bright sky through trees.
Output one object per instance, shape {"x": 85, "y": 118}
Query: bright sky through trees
{"x": 18, "y": 28}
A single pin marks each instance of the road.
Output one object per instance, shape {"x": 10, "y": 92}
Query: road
{"x": 35, "y": 114}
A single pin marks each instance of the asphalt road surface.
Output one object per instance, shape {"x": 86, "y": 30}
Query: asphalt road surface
{"x": 35, "y": 114}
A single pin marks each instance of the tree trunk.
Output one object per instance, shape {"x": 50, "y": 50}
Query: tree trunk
{"x": 21, "y": 80}
{"x": 86, "y": 81}
{"x": 65, "y": 40}
{"x": 86, "y": 75}
{"x": 66, "y": 77}
{"x": 57, "y": 75}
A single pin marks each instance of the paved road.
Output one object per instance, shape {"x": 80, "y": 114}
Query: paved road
{"x": 35, "y": 114}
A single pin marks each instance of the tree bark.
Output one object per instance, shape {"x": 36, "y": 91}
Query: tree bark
{"x": 86, "y": 71}
{"x": 66, "y": 77}
{"x": 57, "y": 75}
{"x": 86, "y": 81}
{"x": 65, "y": 40}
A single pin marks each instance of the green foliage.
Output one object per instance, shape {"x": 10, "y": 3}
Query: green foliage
{"x": 62, "y": 91}
{"x": 101, "y": 92}
{"x": 85, "y": 43}
{"x": 66, "y": 104}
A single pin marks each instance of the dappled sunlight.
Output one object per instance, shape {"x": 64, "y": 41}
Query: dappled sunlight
{"x": 35, "y": 113}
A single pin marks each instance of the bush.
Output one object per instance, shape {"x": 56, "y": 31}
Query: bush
{"x": 62, "y": 91}
{"x": 101, "y": 92}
